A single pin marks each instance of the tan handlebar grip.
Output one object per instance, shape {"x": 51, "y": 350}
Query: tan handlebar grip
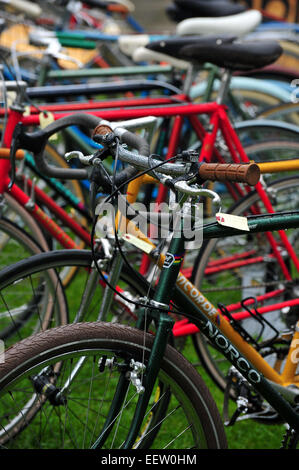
{"x": 242, "y": 173}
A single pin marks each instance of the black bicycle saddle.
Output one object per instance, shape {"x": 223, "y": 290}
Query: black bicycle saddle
{"x": 241, "y": 56}
{"x": 173, "y": 46}
{"x": 222, "y": 50}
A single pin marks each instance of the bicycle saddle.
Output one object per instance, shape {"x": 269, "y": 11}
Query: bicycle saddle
{"x": 181, "y": 9}
{"x": 172, "y": 46}
{"x": 241, "y": 56}
{"x": 222, "y": 51}
{"x": 239, "y": 25}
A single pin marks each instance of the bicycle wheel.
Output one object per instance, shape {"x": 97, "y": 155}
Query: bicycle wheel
{"x": 81, "y": 393}
{"x": 16, "y": 213}
{"x": 266, "y": 130}
{"x": 246, "y": 98}
{"x": 288, "y": 112}
{"x": 231, "y": 269}
{"x": 32, "y": 297}
{"x": 252, "y": 103}
{"x": 86, "y": 298}
{"x": 272, "y": 150}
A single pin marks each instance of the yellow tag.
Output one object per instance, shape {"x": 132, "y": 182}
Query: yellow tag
{"x": 141, "y": 244}
{"x": 234, "y": 221}
{"x": 45, "y": 119}
{"x": 10, "y": 98}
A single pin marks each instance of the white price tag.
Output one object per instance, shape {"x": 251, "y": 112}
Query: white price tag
{"x": 27, "y": 111}
{"x": 234, "y": 221}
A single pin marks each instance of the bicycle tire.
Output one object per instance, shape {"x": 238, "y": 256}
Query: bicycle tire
{"x": 16, "y": 213}
{"x": 260, "y": 130}
{"x": 273, "y": 150}
{"x": 218, "y": 370}
{"x": 287, "y": 112}
{"x": 15, "y": 243}
{"x": 56, "y": 345}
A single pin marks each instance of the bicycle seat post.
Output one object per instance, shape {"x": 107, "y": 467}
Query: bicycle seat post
{"x": 20, "y": 88}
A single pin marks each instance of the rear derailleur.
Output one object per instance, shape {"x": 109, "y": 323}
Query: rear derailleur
{"x": 290, "y": 439}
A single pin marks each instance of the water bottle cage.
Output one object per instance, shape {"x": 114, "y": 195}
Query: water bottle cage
{"x": 259, "y": 318}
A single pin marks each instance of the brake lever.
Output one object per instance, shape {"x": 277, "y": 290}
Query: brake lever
{"x": 84, "y": 159}
{"x": 194, "y": 191}
{"x": 94, "y": 159}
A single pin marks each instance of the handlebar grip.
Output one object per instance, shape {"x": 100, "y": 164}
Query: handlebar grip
{"x": 248, "y": 173}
